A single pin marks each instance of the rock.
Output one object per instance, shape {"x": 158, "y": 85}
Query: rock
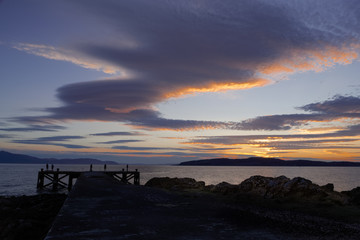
{"x": 354, "y": 195}
{"x": 278, "y": 188}
{"x": 266, "y": 187}
{"x": 328, "y": 187}
{"x": 224, "y": 188}
{"x": 299, "y": 189}
{"x": 175, "y": 183}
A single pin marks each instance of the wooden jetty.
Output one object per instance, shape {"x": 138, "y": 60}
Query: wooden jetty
{"x": 58, "y": 180}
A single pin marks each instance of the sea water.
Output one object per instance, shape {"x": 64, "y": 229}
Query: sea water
{"x": 21, "y": 179}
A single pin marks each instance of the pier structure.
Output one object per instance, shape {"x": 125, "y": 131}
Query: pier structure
{"x": 59, "y": 180}
{"x": 102, "y": 208}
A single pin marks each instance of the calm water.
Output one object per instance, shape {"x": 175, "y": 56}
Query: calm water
{"x": 20, "y": 179}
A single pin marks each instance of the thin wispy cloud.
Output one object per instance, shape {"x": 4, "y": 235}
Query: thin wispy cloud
{"x": 67, "y": 55}
{"x": 39, "y": 142}
{"x": 121, "y": 141}
{"x": 35, "y": 128}
{"x": 5, "y": 136}
{"x": 119, "y": 134}
{"x": 139, "y": 148}
{"x": 53, "y": 141}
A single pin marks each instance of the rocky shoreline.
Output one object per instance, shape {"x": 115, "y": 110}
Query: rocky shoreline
{"x": 28, "y": 217}
{"x": 279, "y": 188}
{"x": 282, "y": 207}
{"x": 296, "y": 207}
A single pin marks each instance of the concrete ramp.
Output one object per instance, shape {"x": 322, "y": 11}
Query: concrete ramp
{"x": 100, "y": 207}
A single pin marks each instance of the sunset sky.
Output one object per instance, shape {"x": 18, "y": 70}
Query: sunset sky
{"x": 165, "y": 81}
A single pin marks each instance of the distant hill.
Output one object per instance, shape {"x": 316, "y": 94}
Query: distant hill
{"x": 7, "y": 157}
{"x": 259, "y": 161}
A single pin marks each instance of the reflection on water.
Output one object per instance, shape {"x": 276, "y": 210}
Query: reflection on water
{"x": 20, "y": 179}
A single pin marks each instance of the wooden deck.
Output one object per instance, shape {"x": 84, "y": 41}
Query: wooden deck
{"x": 58, "y": 180}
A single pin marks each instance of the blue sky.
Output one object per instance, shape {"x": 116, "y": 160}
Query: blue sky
{"x": 170, "y": 81}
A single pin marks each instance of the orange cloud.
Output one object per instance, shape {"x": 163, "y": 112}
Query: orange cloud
{"x": 301, "y": 60}
{"x": 218, "y": 87}
{"x": 319, "y": 130}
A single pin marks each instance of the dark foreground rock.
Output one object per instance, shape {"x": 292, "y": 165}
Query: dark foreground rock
{"x": 278, "y": 188}
{"x": 295, "y": 207}
{"x": 28, "y": 217}
{"x": 175, "y": 183}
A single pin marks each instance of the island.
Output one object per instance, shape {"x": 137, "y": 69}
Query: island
{"x": 260, "y": 161}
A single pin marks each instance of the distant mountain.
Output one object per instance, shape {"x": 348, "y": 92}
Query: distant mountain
{"x": 7, "y": 157}
{"x": 259, "y": 161}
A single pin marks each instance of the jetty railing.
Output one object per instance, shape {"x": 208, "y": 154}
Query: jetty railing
{"x": 56, "y": 180}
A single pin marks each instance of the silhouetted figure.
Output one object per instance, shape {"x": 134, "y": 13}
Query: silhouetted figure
{"x": 90, "y": 167}
{"x": 127, "y": 167}
{"x": 52, "y": 167}
{"x": 47, "y": 166}
{"x": 104, "y": 167}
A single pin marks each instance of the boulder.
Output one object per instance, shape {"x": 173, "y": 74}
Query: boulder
{"x": 298, "y": 188}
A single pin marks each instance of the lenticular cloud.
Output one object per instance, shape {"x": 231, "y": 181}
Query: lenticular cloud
{"x": 175, "y": 48}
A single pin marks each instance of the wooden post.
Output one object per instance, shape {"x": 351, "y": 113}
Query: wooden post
{"x": 136, "y": 177}
{"x": 124, "y": 177}
{"x": 40, "y": 181}
{"x": 70, "y": 182}
{"x": 56, "y": 179}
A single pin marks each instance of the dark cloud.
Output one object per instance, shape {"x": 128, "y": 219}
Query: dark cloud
{"x": 59, "y": 138}
{"x": 5, "y": 136}
{"x": 35, "y": 128}
{"x": 175, "y": 124}
{"x": 118, "y": 134}
{"x": 121, "y": 141}
{"x": 338, "y": 105}
{"x": 140, "y": 148}
{"x": 336, "y": 108}
{"x": 39, "y": 142}
{"x": 115, "y": 101}
{"x": 299, "y": 146}
{"x": 170, "y": 155}
{"x": 53, "y": 141}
